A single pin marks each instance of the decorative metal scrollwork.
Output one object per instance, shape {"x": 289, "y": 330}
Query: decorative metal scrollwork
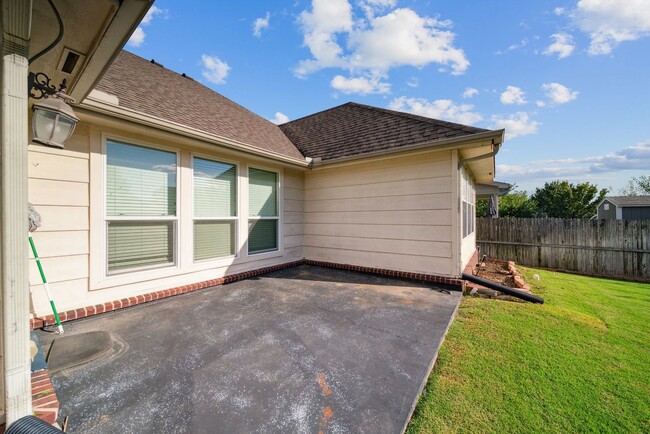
{"x": 39, "y": 86}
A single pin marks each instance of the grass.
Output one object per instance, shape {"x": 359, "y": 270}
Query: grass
{"x": 578, "y": 363}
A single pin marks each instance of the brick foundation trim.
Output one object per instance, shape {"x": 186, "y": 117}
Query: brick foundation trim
{"x": 45, "y": 403}
{"x": 391, "y": 273}
{"x": 83, "y": 312}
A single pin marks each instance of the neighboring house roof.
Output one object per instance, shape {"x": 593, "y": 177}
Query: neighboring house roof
{"x": 354, "y": 129}
{"x": 149, "y": 88}
{"x": 626, "y": 201}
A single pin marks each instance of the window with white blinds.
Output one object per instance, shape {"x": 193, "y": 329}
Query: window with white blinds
{"x": 263, "y": 211}
{"x": 215, "y": 209}
{"x": 468, "y": 201}
{"x": 141, "y": 215}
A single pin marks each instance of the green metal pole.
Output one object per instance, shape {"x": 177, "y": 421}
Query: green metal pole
{"x": 45, "y": 284}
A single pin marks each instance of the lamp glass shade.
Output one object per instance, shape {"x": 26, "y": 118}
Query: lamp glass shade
{"x": 53, "y": 123}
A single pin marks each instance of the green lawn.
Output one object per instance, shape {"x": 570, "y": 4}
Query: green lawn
{"x": 578, "y": 363}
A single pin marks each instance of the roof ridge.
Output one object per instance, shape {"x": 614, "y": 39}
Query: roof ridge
{"x": 319, "y": 112}
{"x": 419, "y": 118}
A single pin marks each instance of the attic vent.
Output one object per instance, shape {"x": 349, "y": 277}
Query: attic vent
{"x": 70, "y": 62}
{"x": 156, "y": 63}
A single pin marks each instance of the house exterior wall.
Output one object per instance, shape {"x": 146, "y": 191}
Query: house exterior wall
{"x": 394, "y": 214}
{"x": 606, "y": 214}
{"x": 636, "y": 213}
{"x": 66, "y": 188}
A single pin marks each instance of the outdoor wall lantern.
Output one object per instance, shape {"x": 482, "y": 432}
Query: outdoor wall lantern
{"x": 54, "y": 120}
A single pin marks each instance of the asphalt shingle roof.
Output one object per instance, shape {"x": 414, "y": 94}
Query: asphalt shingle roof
{"x": 355, "y": 129}
{"x": 629, "y": 200}
{"x": 149, "y": 88}
{"x": 345, "y": 131}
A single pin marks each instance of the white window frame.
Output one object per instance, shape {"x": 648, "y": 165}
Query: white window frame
{"x": 468, "y": 196}
{"x": 106, "y": 218}
{"x": 277, "y": 251}
{"x": 236, "y": 219}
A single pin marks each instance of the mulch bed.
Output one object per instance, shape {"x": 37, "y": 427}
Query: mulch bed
{"x": 496, "y": 271}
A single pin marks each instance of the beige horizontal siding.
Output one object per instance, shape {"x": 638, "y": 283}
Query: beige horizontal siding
{"x": 389, "y": 261}
{"x": 394, "y": 214}
{"x": 412, "y": 217}
{"x": 424, "y": 201}
{"x": 395, "y": 231}
{"x": 55, "y": 192}
{"x": 63, "y": 218}
{"x": 57, "y": 167}
{"x": 60, "y": 268}
{"x": 60, "y": 243}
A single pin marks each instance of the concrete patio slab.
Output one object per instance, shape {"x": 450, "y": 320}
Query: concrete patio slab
{"x": 303, "y": 350}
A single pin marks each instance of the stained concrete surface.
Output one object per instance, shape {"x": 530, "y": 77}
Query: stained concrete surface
{"x": 303, "y": 350}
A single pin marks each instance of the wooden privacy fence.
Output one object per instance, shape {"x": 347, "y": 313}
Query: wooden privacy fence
{"x": 609, "y": 248}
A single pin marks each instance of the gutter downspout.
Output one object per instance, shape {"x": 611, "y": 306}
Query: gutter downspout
{"x": 463, "y": 163}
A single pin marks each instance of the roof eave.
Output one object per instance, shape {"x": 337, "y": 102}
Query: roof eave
{"x": 466, "y": 141}
{"x": 97, "y": 106}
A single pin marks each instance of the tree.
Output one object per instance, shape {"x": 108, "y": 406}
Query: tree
{"x": 562, "y": 199}
{"x": 636, "y": 187}
{"x": 514, "y": 204}
{"x": 517, "y": 204}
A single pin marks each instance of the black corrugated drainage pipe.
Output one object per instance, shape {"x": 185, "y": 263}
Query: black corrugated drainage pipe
{"x": 32, "y": 425}
{"x": 506, "y": 290}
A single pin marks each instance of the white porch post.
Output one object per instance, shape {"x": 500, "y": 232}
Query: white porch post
{"x": 14, "y": 278}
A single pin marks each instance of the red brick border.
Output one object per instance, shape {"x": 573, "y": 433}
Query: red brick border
{"x": 391, "y": 273}
{"x": 87, "y": 311}
{"x": 45, "y": 403}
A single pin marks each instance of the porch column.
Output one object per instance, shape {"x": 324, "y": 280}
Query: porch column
{"x": 14, "y": 277}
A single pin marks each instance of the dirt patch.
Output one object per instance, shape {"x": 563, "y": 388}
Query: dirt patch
{"x": 496, "y": 271}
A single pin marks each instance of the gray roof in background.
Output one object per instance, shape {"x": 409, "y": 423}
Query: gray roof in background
{"x": 149, "y": 88}
{"x": 356, "y": 129}
{"x": 629, "y": 200}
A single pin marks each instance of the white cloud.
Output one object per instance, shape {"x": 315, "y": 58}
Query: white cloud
{"x": 516, "y": 125}
{"x": 359, "y": 85}
{"x": 261, "y": 24}
{"x": 540, "y": 103}
{"x": 443, "y": 109}
{"x": 559, "y": 11}
{"x": 470, "y": 92}
{"x": 373, "y": 45}
{"x": 513, "y": 47}
{"x": 610, "y": 22}
{"x": 413, "y": 82}
{"x": 631, "y": 158}
{"x": 214, "y": 69}
{"x": 138, "y": 36}
{"x": 280, "y": 118}
{"x": 558, "y": 93}
{"x": 563, "y": 46}
{"x": 513, "y": 95}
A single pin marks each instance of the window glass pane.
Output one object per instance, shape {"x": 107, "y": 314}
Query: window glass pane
{"x": 215, "y": 189}
{"x": 262, "y": 235}
{"x": 139, "y": 244}
{"x": 140, "y": 181}
{"x": 262, "y": 193}
{"x": 213, "y": 239}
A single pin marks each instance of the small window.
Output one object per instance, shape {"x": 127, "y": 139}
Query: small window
{"x": 141, "y": 213}
{"x": 468, "y": 204}
{"x": 215, "y": 209}
{"x": 263, "y": 211}
{"x": 606, "y": 207}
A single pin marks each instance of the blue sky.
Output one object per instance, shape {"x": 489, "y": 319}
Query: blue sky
{"x": 569, "y": 80}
